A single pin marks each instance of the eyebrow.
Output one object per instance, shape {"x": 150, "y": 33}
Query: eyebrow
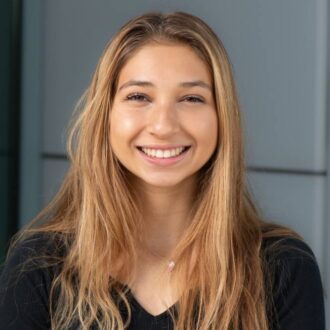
{"x": 194, "y": 83}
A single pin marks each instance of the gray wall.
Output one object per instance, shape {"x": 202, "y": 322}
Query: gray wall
{"x": 279, "y": 53}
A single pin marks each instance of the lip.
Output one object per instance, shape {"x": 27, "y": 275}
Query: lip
{"x": 163, "y": 161}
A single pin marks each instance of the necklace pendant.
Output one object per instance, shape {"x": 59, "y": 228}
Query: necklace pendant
{"x": 171, "y": 265}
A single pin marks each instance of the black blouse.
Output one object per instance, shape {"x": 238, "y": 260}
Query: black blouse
{"x": 297, "y": 292}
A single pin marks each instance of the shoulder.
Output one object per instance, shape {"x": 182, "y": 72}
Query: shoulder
{"x": 28, "y": 259}
{"x": 297, "y": 293}
{"x": 25, "y": 282}
{"x": 276, "y": 249}
{"x": 34, "y": 251}
{"x": 34, "y": 255}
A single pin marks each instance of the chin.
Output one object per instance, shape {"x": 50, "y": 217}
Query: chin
{"x": 167, "y": 181}
{"x": 162, "y": 183}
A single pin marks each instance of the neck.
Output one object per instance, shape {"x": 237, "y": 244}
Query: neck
{"x": 166, "y": 214}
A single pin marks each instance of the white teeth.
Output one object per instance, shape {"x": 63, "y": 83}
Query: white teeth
{"x": 157, "y": 153}
{"x": 167, "y": 153}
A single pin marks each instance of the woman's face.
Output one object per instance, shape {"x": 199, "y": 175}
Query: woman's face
{"x": 163, "y": 120}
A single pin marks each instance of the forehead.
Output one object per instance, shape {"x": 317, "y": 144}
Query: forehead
{"x": 165, "y": 63}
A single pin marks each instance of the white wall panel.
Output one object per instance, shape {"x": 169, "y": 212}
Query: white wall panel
{"x": 278, "y": 49}
{"x": 294, "y": 200}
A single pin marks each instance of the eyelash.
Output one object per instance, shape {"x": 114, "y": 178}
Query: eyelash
{"x": 132, "y": 97}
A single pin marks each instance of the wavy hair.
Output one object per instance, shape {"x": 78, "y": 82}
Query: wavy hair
{"x": 98, "y": 220}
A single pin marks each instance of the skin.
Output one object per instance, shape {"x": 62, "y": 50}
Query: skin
{"x": 163, "y": 113}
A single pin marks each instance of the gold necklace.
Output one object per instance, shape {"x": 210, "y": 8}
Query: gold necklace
{"x": 170, "y": 263}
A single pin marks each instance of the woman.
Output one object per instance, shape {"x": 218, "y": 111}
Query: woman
{"x": 153, "y": 227}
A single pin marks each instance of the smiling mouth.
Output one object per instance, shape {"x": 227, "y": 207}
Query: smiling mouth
{"x": 164, "y": 153}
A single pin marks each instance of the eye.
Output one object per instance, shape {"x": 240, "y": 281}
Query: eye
{"x": 136, "y": 97}
{"x": 194, "y": 99}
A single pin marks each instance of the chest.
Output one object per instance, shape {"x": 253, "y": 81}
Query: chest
{"x": 154, "y": 289}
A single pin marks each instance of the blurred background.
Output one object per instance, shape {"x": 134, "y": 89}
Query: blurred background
{"x": 280, "y": 54}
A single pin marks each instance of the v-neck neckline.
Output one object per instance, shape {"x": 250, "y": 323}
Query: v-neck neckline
{"x": 162, "y": 315}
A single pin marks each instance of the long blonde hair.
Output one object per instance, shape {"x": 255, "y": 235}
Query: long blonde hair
{"x": 97, "y": 218}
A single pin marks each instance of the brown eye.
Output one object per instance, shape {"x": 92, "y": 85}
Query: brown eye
{"x": 136, "y": 97}
{"x": 194, "y": 99}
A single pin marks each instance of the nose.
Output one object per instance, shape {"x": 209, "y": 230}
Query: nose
{"x": 163, "y": 121}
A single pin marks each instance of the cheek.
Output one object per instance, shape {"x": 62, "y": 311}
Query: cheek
{"x": 205, "y": 130}
{"x": 123, "y": 127}
{"x": 209, "y": 131}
